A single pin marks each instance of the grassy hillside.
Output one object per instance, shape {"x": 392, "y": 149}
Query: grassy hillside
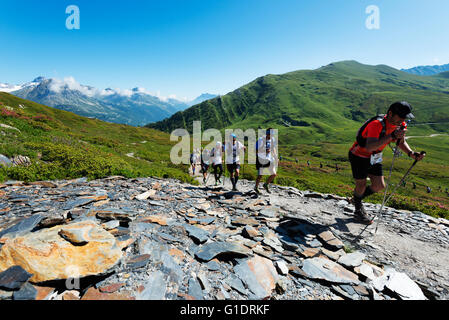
{"x": 64, "y": 145}
{"x": 326, "y": 104}
{"x": 318, "y": 112}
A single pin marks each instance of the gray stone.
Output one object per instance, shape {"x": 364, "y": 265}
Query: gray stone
{"x": 282, "y": 267}
{"x": 205, "y": 284}
{"x": 111, "y": 224}
{"x": 13, "y": 278}
{"x": 156, "y": 203}
{"x": 6, "y": 295}
{"x": 202, "y": 220}
{"x": 171, "y": 268}
{"x": 138, "y": 261}
{"x": 236, "y": 284}
{"x": 270, "y": 213}
{"x": 213, "y": 266}
{"x": 168, "y": 237}
{"x": 198, "y": 235}
{"x": 195, "y": 289}
{"x": 366, "y": 271}
{"x": 4, "y": 161}
{"x": 405, "y": 287}
{"x": 288, "y": 243}
{"x": 353, "y": 259}
{"x": 276, "y": 245}
{"x": 218, "y": 249}
{"x": 114, "y": 214}
{"x": 26, "y": 292}
{"x": 155, "y": 288}
{"x": 324, "y": 269}
{"x": 315, "y": 243}
{"x": 23, "y": 226}
{"x": 259, "y": 275}
{"x": 77, "y": 203}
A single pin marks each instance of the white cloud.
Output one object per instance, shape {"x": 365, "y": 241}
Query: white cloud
{"x": 57, "y": 85}
{"x": 4, "y": 87}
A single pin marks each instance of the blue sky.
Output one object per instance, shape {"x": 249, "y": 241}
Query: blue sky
{"x": 190, "y": 47}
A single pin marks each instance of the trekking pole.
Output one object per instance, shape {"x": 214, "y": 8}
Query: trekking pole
{"x": 395, "y": 154}
{"x": 400, "y": 183}
{"x": 207, "y": 179}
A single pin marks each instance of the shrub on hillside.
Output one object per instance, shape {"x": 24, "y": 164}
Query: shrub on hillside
{"x": 75, "y": 161}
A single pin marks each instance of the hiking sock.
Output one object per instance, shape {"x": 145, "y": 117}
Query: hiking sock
{"x": 236, "y": 179}
{"x": 368, "y": 192}
{"x": 357, "y": 202}
{"x": 233, "y": 182}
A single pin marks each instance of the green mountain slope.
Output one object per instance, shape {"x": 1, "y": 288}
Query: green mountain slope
{"x": 318, "y": 112}
{"x": 63, "y": 145}
{"x": 326, "y": 104}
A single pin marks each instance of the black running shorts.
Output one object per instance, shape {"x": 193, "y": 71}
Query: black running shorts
{"x": 361, "y": 167}
{"x": 232, "y": 167}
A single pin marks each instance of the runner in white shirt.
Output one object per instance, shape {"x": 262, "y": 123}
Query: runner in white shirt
{"x": 217, "y": 162}
{"x": 233, "y": 150}
{"x": 266, "y": 156}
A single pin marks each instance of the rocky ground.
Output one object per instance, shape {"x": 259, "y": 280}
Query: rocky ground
{"x": 158, "y": 239}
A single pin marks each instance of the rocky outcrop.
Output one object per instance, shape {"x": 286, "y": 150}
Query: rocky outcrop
{"x": 154, "y": 239}
{"x": 75, "y": 250}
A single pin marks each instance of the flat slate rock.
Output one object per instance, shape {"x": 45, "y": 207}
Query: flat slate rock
{"x": 353, "y": 259}
{"x": 404, "y": 287}
{"x": 77, "y": 203}
{"x": 217, "y": 249}
{"x": 138, "y": 261}
{"x": 26, "y": 292}
{"x": 195, "y": 289}
{"x": 213, "y": 265}
{"x": 23, "y": 226}
{"x": 235, "y": 283}
{"x": 155, "y": 288}
{"x": 259, "y": 275}
{"x": 13, "y": 278}
{"x": 269, "y": 213}
{"x": 198, "y": 235}
{"x": 324, "y": 269}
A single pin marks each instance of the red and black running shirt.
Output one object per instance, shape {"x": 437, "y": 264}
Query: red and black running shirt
{"x": 373, "y": 130}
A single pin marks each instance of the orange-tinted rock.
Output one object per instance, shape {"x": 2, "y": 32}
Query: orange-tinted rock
{"x": 45, "y": 184}
{"x": 48, "y": 256}
{"x": 101, "y": 203}
{"x": 125, "y": 243}
{"x": 111, "y": 288}
{"x": 156, "y": 219}
{"x": 185, "y": 296}
{"x": 71, "y": 295}
{"x": 95, "y": 294}
{"x": 178, "y": 254}
{"x": 310, "y": 252}
{"x": 43, "y": 293}
{"x": 259, "y": 274}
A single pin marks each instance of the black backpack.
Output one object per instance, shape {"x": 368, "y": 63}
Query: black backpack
{"x": 362, "y": 141}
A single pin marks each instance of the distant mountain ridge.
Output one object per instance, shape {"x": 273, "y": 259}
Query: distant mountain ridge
{"x": 427, "y": 70}
{"x": 326, "y": 104}
{"x": 134, "y": 107}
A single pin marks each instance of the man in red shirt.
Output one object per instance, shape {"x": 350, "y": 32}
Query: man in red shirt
{"x": 365, "y": 154}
